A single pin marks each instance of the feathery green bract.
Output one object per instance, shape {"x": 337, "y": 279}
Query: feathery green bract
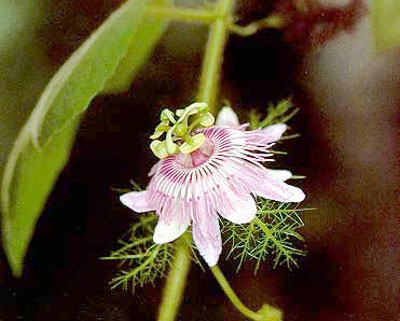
{"x": 282, "y": 112}
{"x": 141, "y": 260}
{"x": 272, "y": 232}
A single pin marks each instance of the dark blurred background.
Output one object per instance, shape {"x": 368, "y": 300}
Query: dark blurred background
{"x": 348, "y": 149}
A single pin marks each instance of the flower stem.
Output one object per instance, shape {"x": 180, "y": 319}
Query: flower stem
{"x": 212, "y": 64}
{"x": 266, "y": 313}
{"x": 219, "y": 276}
{"x": 175, "y": 286}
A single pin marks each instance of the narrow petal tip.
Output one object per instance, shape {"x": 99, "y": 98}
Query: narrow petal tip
{"x": 276, "y": 190}
{"x": 279, "y": 174}
{"x": 212, "y": 261}
{"x": 274, "y": 132}
{"x": 227, "y": 117}
{"x": 241, "y": 210}
{"x": 168, "y": 232}
{"x": 137, "y": 201}
{"x": 297, "y": 196}
{"x": 211, "y": 258}
{"x": 207, "y": 238}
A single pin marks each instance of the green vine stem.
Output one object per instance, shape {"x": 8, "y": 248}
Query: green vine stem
{"x": 212, "y": 64}
{"x": 266, "y": 313}
{"x": 219, "y": 276}
{"x": 209, "y": 83}
{"x": 183, "y": 14}
{"x": 175, "y": 286}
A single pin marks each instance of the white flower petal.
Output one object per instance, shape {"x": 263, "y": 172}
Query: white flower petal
{"x": 240, "y": 210}
{"x": 278, "y": 191}
{"x": 274, "y": 132}
{"x": 137, "y": 201}
{"x": 227, "y": 117}
{"x": 279, "y": 174}
{"x": 207, "y": 237}
{"x": 168, "y": 231}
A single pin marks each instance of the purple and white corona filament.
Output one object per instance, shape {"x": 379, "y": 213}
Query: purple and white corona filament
{"x": 221, "y": 177}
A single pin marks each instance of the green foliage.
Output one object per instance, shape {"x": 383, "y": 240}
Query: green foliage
{"x": 386, "y": 23}
{"x": 141, "y": 261}
{"x": 42, "y": 146}
{"x": 19, "y": 24}
{"x": 31, "y": 181}
{"x": 273, "y": 231}
{"x": 282, "y": 112}
{"x": 146, "y": 36}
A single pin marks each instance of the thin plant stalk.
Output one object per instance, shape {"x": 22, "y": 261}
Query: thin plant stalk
{"x": 212, "y": 63}
{"x": 225, "y": 286}
{"x": 266, "y": 313}
{"x": 175, "y": 285}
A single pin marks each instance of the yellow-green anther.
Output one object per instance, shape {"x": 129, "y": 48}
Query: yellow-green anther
{"x": 163, "y": 123}
{"x": 181, "y": 134}
{"x": 160, "y": 129}
{"x": 157, "y": 134}
{"x": 172, "y": 148}
{"x": 207, "y": 120}
{"x": 192, "y": 110}
{"x": 197, "y": 141}
{"x": 159, "y": 149}
{"x": 167, "y": 115}
{"x": 181, "y": 130}
{"x": 200, "y": 107}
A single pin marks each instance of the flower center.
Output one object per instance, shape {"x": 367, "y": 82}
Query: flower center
{"x": 182, "y": 134}
{"x": 198, "y": 157}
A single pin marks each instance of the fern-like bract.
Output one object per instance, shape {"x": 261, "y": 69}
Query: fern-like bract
{"x": 273, "y": 231}
{"x": 281, "y": 112}
{"x": 141, "y": 260}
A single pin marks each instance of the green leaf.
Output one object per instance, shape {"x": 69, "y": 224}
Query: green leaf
{"x": 36, "y": 171}
{"x": 386, "y": 23}
{"x": 42, "y": 146}
{"x": 150, "y": 31}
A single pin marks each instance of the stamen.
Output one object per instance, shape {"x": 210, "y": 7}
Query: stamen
{"x": 181, "y": 135}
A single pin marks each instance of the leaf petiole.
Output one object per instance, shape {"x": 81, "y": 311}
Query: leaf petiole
{"x": 272, "y": 21}
{"x": 198, "y": 15}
